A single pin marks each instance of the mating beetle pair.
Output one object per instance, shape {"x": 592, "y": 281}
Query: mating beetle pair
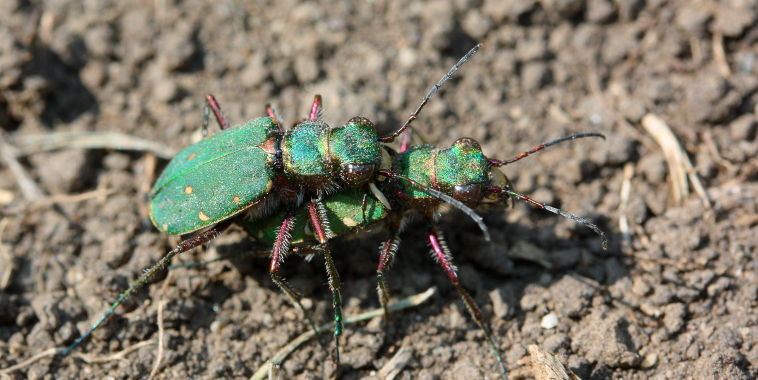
{"x": 347, "y": 179}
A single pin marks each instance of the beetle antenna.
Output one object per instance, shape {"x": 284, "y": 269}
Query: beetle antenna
{"x": 562, "y": 213}
{"x": 432, "y": 91}
{"x": 445, "y": 198}
{"x": 499, "y": 163}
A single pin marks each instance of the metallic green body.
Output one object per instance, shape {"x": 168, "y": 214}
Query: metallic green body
{"x": 356, "y": 142}
{"x": 313, "y": 154}
{"x": 234, "y": 169}
{"x": 215, "y": 178}
{"x": 344, "y": 211}
{"x": 440, "y": 169}
{"x": 443, "y": 169}
{"x": 304, "y": 149}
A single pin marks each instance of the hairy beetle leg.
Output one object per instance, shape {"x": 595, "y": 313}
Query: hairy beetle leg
{"x": 444, "y": 259}
{"x": 212, "y": 105}
{"x": 387, "y": 251}
{"x": 280, "y": 250}
{"x": 317, "y": 214}
{"x": 316, "y": 109}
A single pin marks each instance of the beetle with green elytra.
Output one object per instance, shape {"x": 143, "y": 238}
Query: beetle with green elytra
{"x": 253, "y": 169}
{"x": 421, "y": 179}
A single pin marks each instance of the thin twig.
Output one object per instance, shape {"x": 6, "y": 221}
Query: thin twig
{"x": 394, "y": 366}
{"x": 30, "y": 361}
{"x": 115, "y": 356}
{"x": 29, "y": 188}
{"x": 30, "y": 144}
{"x": 714, "y": 151}
{"x": 282, "y": 354}
{"x": 71, "y": 198}
{"x": 88, "y": 359}
{"x": 57, "y": 200}
{"x": 161, "y": 304}
{"x": 149, "y": 163}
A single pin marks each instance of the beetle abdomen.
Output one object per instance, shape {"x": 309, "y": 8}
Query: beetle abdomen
{"x": 214, "y": 179}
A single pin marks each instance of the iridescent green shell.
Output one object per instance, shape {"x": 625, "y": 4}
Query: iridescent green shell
{"x": 304, "y": 149}
{"x": 314, "y": 154}
{"x": 443, "y": 169}
{"x": 344, "y": 211}
{"x": 461, "y": 164}
{"x": 214, "y": 179}
{"x": 356, "y": 143}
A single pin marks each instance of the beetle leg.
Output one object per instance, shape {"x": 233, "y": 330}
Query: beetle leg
{"x": 445, "y": 260}
{"x": 320, "y": 224}
{"x": 184, "y": 246}
{"x": 363, "y": 205}
{"x": 212, "y": 105}
{"x": 405, "y": 140}
{"x": 387, "y": 251}
{"x": 316, "y": 108}
{"x": 280, "y": 250}
{"x": 271, "y": 112}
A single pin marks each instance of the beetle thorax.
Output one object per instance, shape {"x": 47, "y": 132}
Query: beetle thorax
{"x": 305, "y": 152}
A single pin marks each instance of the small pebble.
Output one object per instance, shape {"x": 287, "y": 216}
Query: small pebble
{"x": 407, "y": 57}
{"x": 549, "y": 321}
{"x": 649, "y": 361}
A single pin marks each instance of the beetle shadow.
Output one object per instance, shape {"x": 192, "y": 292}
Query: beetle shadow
{"x": 580, "y": 259}
{"x": 414, "y": 271}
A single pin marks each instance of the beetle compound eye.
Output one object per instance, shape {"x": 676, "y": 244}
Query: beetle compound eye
{"x": 467, "y": 143}
{"x": 362, "y": 121}
{"x": 471, "y": 194}
{"x": 357, "y": 174}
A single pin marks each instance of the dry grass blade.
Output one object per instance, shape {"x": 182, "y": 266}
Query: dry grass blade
{"x": 29, "y": 188}
{"x": 30, "y": 361}
{"x": 393, "y": 367}
{"x": 545, "y": 366}
{"x": 89, "y": 359}
{"x": 71, "y": 198}
{"x": 115, "y": 356}
{"x": 89, "y": 140}
{"x": 719, "y": 55}
{"x": 161, "y": 305}
{"x": 282, "y": 354}
{"x": 9, "y": 266}
{"x": 714, "y": 151}
{"x": 680, "y": 167}
{"x": 626, "y": 189}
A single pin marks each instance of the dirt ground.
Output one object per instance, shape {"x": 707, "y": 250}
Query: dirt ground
{"x": 675, "y": 296}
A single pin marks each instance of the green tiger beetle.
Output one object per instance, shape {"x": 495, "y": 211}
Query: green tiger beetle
{"x": 256, "y": 168}
{"x": 421, "y": 179}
